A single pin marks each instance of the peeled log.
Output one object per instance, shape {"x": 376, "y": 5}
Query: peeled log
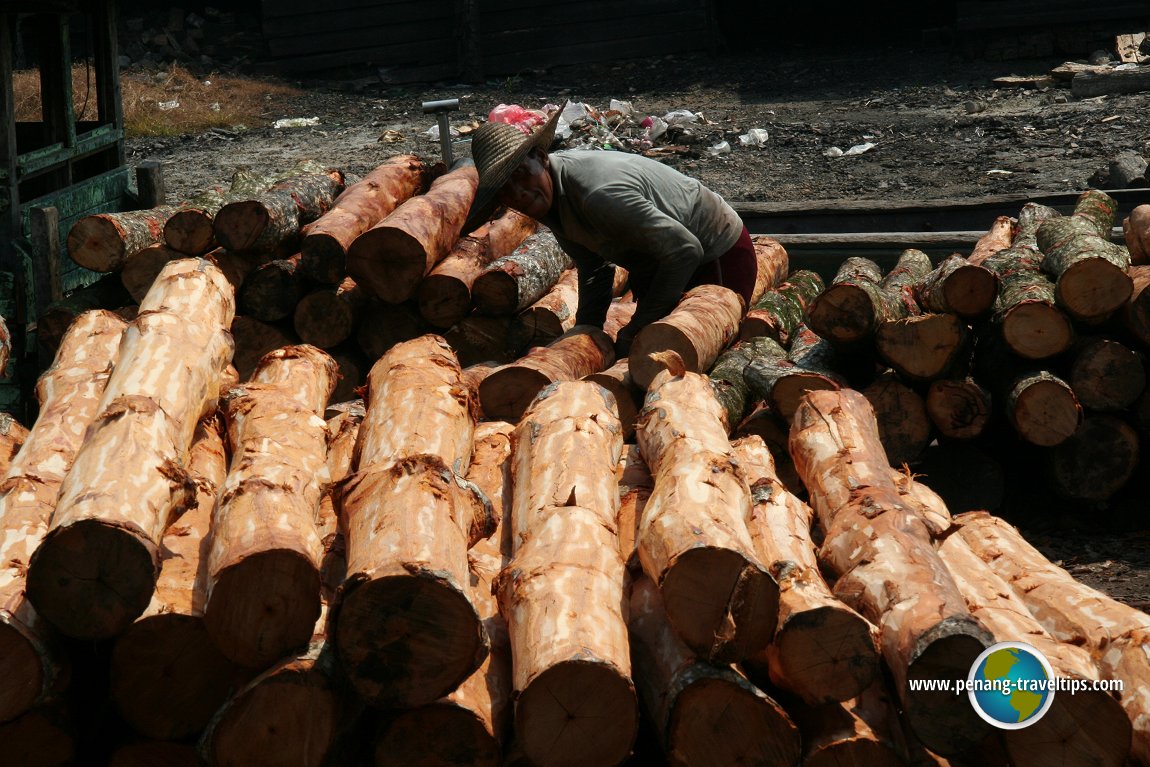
{"x": 628, "y": 399}
{"x": 1097, "y": 460}
{"x": 507, "y": 392}
{"x": 1136, "y": 232}
{"x": 701, "y": 326}
{"x": 1136, "y": 313}
{"x": 329, "y": 316}
{"x": 105, "y": 241}
{"x": 69, "y": 394}
{"x": 95, "y": 570}
{"x": 406, "y": 629}
{"x": 515, "y": 281}
{"x": 271, "y": 291}
{"x": 1106, "y": 375}
{"x": 391, "y": 258}
{"x": 253, "y": 340}
{"x": 262, "y": 593}
{"x": 822, "y": 650}
{"x": 772, "y": 265}
{"x": 562, "y": 592}
{"x": 105, "y": 293}
{"x": 269, "y": 222}
{"x": 958, "y": 407}
{"x": 635, "y": 487}
{"x": 881, "y": 551}
{"x": 903, "y": 423}
{"x": 12, "y": 437}
{"x": 1000, "y": 235}
{"x": 167, "y": 676}
{"x": 359, "y": 207}
{"x": 444, "y": 295}
{"x": 958, "y": 286}
{"x": 1117, "y": 636}
{"x": 693, "y": 541}
{"x": 779, "y": 311}
{"x": 1087, "y": 727}
{"x": 704, "y": 714}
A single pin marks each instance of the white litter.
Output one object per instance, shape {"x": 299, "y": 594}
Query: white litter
{"x": 754, "y": 137}
{"x": 296, "y": 122}
{"x": 721, "y": 148}
{"x": 167, "y": 105}
{"x": 859, "y": 149}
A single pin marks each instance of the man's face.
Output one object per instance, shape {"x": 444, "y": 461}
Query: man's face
{"x": 529, "y": 189}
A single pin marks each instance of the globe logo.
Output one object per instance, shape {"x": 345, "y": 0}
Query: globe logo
{"x": 1011, "y": 685}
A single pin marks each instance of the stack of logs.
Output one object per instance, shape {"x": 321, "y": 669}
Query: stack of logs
{"x": 701, "y": 554}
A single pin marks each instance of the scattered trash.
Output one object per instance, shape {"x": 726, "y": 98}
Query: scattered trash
{"x": 999, "y": 172}
{"x": 215, "y": 106}
{"x": 622, "y": 107}
{"x": 433, "y": 132}
{"x": 524, "y": 119}
{"x": 167, "y": 105}
{"x": 681, "y": 118}
{"x": 754, "y": 137}
{"x": 391, "y": 136}
{"x": 721, "y": 148}
{"x": 834, "y": 151}
{"x": 296, "y": 122}
{"x": 859, "y": 149}
{"x": 654, "y": 127}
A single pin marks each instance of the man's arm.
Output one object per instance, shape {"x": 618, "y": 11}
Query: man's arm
{"x": 596, "y": 283}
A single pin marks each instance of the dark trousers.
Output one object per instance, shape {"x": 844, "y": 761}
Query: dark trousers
{"x": 736, "y": 269}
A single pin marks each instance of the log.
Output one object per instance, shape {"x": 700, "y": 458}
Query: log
{"x": 1000, "y": 236}
{"x": 271, "y": 291}
{"x": 95, "y": 571}
{"x": 628, "y": 398}
{"x": 105, "y": 293}
{"x": 635, "y": 487}
{"x": 359, "y": 207}
{"x": 103, "y": 242}
{"x": 1136, "y": 233}
{"x": 406, "y": 630}
{"x": 958, "y": 407}
{"x": 262, "y": 593}
{"x": 384, "y": 325}
{"x": 1097, "y": 460}
{"x": 694, "y": 541}
{"x": 479, "y": 338}
{"x": 12, "y": 438}
{"x": 43, "y": 737}
{"x": 506, "y": 393}
{"x": 141, "y": 268}
{"x": 772, "y": 265}
{"x": 619, "y": 313}
{"x": 253, "y": 340}
{"x": 68, "y": 393}
{"x": 515, "y": 281}
{"x": 1106, "y": 375}
{"x": 924, "y": 347}
{"x": 863, "y": 730}
{"x": 783, "y": 381}
{"x": 880, "y": 550}
{"x": 853, "y": 305}
{"x": 444, "y": 295}
{"x": 1136, "y": 313}
{"x": 958, "y": 286}
{"x": 703, "y": 713}
{"x": 1043, "y": 409}
{"x": 235, "y": 267}
{"x": 189, "y": 229}
{"x": 903, "y": 424}
{"x": 924, "y": 501}
{"x": 1115, "y": 635}
{"x": 269, "y": 222}
{"x": 552, "y": 315}
{"x": 704, "y": 322}
{"x": 1087, "y": 727}
{"x": 1127, "y": 170}
{"x": 146, "y": 753}
{"x": 822, "y": 650}
{"x": 167, "y": 676}
{"x": 727, "y": 379}
{"x": 1091, "y": 270}
{"x": 329, "y": 316}
{"x": 352, "y": 366}
{"x": 763, "y": 422}
{"x": 5, "y": 344}
{"x": 780, "y": 311}
{"x": 562, "y": 593}
{"x": 1109, "y": 82}
{"x": 391, "y": 258}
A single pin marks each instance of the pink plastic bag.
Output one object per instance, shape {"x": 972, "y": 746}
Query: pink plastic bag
{"x": 513, "y": 114}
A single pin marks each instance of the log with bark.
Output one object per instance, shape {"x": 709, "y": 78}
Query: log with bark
{"x": 406, "y": 629}
{"x": 694, "y": 542}
{"x": 1042, "y": 408}
{"x": 903, "y": 423}
{"x": 628, "y": 398}
{"x": 359, "y": 207}
{"x": 851, "y": 308}
{"x": 253, "y": 340}
{"x": 95, "y": 571}
{"x": 141, "y": 268}
{"x": 383, "y": 325}
{"x": 329, "y": 316}
{"x": 1097, "y": 460}
{"x": 563, "y": 591}
{"x": 1136, "y": 313}
{"x": 925, "y": 347}
{"x": 269, "y": 222}
{"x": 779, "y": 311}
{"x": 772, "y": 265}
{"x": 167, "y": 676}
{"x": 1136, "y": 233}
{"x": 704, "y": 322}
{"x": 1092, "y": 282}
{"x": 703, "y": 713}
{"x": 390, "y": 259}
{"x": 515, "y": 281}
{"x": 862, "y": 731}
{"x": 880, "y": 550}
{"x": 507, "y": 392}
{"x": 105, "y": 241}
{"x": 444, "y": 295}
{"x": 959, "y": 286}
{"x": 1116, "y": 636}
{"x": 106, "y": 293}
{"x": 552, "y": 315}
{"x": 782, "y": 379}
{"x": 271, "y": 291}
{"x": 262, "y": 591}
{"x": 1106, "y": 375}
{"x": 822, "y": 650}
{"x": 68, "y": 394}
{"x": 960, "y": 408}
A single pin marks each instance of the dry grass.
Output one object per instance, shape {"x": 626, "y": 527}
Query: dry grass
{"x": 212, "y": 101}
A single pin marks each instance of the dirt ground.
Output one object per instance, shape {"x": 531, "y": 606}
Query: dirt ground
{"x": 939, "y": 127}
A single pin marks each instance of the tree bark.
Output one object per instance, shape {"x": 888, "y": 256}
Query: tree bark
{"x": 925, "y": 347}
{"x": 881, "y": 551}
{"x": 1136, "y": 313}
{"x": 262, "y": 595}
{"x": 95, "y": 570}
{"x": 479, "y": 338}
{"x": 141, "y": 268}
{"x": 780, "y": 311}
{"x": 704, "y": 322}
{"x": 903, "y": 423}
{"x": 958, "y": 407}
{"x": 406, "y": 628}
{"x": 562, "y": 592}
{"x": 384, "y": 325}
{"x": 329, "y": 316}
{"x": 1088, "y": 727}
{"x": 269, "y": 222}
{"x": 822, "y": 650}
{"x": 782, "y": 381}
{"x": 358, "y": 208}
{"x": 704, "y": 713}
{"x": 69, "y": 394}
{"x": 1000, "y": 235}
{"x": 105, "y": 241}
{"x": 1117, "y": 636}
{"x": 444, "y": 295}
{"x": 271, "y": 291}
{"x": 507, "y": 392}
{"x": 190, "y": 231}
{"x": 628, "y": 399}
{"x": 851, "y": 308}
{"x": 959, "y": 286}
{"x": 1106, "y": 375}
{"x": 514, "y": 282}
{"x": 390, "y": 259}
{"x": 772, "y": 265}
{"x": 1097, "y": 460}
{"x": 694, "y": 542}
{"x": 1136, "y": 233}
{"x": 1042, "y": 408}
{"x": 552, "y": 315}
{"x": 253, "y": 340}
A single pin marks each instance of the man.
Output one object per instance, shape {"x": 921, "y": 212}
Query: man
{"x": 611, "y": 208}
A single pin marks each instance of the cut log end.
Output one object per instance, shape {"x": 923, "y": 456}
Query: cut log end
{"x": 1093, "y": 289}
{"x": 1036, "y": 330}
{"x": 91, "y": 580}
{"x": 441, "y": 733}
{"x": 857, "y": 753}
{"x": 724, "y": 607}
{"x": 506, "y": 394}
{"x": 443, "y": 300}
{"x": 21, "y": 671}
{"x": 843, "y": 314}
{"x": 496, "y": 292}
{"x": 263, "y": 607}
{"x": 407, "y": 641}
{"x": 789, "y": 390}
{"x": 833, "y": 643}
{"x": 239, "y": 224}
{"x": 95, "y": 243}
{"x": 323, "y": 258}
{"x": 959, "y": 409}
{"x": 647, "y": 358}
{"x": 388, "y": 263}
{"x": 718, "y": 722}
{"x": 945, "y": 723}
{"x": 1086, "y": 728}
{"x": 577, "y": 714}
{"x": 38, "y": 739}
{"x": 971, "y": 290}
{"x": 1046, "y": 413}
{"x": 190, "y": 231}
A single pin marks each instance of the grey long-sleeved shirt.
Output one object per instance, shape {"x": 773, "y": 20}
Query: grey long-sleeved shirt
{"x": 634, "y": 212}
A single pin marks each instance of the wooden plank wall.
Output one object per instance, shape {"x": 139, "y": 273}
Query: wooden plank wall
{"x": 425, "y": 39}
{"x": 1004, "y": 14}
